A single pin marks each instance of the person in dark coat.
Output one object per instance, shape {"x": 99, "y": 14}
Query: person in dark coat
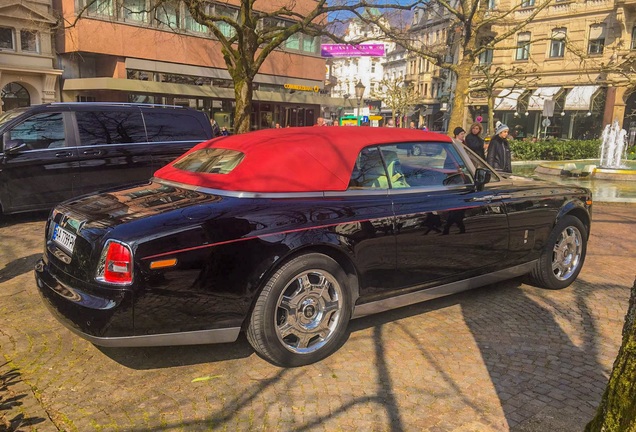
{"x": 499, "y": 156}
{"x": 474, "y": 141}
{"x": 216, "y": 130}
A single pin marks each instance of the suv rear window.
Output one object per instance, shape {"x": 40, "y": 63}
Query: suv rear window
{"x": 211, "y": 161}
{"x": 110, "y": 127}
{"x": 173, "y": 126}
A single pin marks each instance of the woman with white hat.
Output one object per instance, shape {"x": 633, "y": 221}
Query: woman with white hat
{"x": 499, "y": 156}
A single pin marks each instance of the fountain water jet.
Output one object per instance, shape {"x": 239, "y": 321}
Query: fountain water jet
{"x": 613, "y": 147}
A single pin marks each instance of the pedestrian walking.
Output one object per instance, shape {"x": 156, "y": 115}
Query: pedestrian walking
{"x": 216, "y": 131}
{"x": 224, "y": 131}
{"x": 459, "y": 134}
{"x": 474, "y": 141}
{"x": 499, "y": 156}
{"x": 390, "y": 123}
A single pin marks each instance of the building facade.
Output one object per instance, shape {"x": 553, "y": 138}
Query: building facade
{"x": 570, "y": 54}
{"x": 119, "y": 52}
{"x": 27, "y": 58}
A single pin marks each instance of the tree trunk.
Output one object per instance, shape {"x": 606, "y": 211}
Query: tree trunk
{"x": 457, "y": 117}
{"x": 617, "y": 411}
{"x": 243, "y": 94}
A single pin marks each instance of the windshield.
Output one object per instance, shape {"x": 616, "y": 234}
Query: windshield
{"x": 10, "y": 115}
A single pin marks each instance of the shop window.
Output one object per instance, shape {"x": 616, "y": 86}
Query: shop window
{"x": 557, "y": 45}
{"x": 596, "y": 43}
{"x": 29, "y": 41}
{"x": 7, "y": 38}
{"x": 523, "y": 46}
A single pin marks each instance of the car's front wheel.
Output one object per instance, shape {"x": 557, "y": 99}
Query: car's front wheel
{"x": 563, "y": 256}
{"x": 302, "y": 313}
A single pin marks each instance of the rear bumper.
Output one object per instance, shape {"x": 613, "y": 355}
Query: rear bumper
{"x": 105, "y": 316}
{"x": 91, "y": 312}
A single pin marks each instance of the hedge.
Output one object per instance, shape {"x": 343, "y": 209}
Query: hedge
{"x": 555, "y": 149}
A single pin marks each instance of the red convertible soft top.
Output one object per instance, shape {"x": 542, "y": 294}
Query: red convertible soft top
{"x": 303, "y": 159}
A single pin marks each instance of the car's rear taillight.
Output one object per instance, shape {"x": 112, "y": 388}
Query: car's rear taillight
{"x": 116, "y": 264}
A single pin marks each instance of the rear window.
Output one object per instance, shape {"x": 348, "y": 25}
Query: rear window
{"x": 174, "y": 126}
{"x": 110, "y": 127}
{"x": 211, "y": 161}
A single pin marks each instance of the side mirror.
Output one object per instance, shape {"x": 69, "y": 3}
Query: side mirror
{"x": 12, "y": 147}
{"x": 482, "y": 176}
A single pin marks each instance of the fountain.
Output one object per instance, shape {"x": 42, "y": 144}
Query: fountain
{"x": 613, "y": 147}
{"x": 611, "y": 178}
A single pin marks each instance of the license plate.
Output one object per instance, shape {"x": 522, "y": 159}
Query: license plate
{"x": 63, "y": 238}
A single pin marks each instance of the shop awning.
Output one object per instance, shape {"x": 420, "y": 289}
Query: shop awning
{"x": 580, "y": 98}
{"x": 540, "y": 95}
{"x": 507, "y": 99}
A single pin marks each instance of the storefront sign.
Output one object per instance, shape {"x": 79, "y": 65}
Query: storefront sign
{"x": 299, "y": 87}
{"x": 345, "y": 50}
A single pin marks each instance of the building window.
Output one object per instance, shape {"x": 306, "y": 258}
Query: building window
{"x": 135, "y": 10}
{"x": 527, "y": 3}
{"x": 557, "y": 45}
{"x": 485, "y": 58}
{"x": 29, "y": 41}
{"x": 226, "y": 29}
{"x": 492, "y": 4}
{"x": 191, "y": 24}
{"x": 633, "y": 45}
{"x": 293, "y": 42}
{"x": 310, "y": 44}
{"x": 167, "y": 15}
{"x": 7, "y": 38}
{"x": 597, "y": 39}
{"x": 523, "y": 46}
{"x": 100, "y": 7}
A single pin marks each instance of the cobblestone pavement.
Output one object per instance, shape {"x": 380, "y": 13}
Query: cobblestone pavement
{"x": 504, "y": 357}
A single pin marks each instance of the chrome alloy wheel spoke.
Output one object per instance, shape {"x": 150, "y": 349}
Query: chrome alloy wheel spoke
{"x": 566, "y": 254}
{"x": 308, "y": 311}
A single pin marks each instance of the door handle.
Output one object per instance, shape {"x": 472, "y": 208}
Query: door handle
{"x": 93, "y": 152}
{"x": 63, "y": 154}
{"x": 489, "y": 198}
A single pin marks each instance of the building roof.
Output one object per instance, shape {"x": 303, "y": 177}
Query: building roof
{"x": 304, "y": 159}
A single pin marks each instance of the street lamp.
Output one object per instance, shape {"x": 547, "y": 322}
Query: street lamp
{"x": 359, "y": 93}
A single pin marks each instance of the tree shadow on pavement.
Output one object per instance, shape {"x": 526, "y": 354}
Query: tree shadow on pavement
{"x": 21, "y": 218}
{"x": 18, "y": 267}
{"x": 11, "y": 401}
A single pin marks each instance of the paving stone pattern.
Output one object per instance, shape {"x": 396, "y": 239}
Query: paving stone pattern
{"x": 504, "y": 357}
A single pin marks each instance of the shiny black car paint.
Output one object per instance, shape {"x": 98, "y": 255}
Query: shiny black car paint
{"x": 226, "y": 247}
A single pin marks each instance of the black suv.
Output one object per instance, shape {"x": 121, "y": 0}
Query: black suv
{"x": 57, "y": 151}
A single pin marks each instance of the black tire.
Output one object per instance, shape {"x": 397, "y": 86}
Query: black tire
{"x": 301, "y": 316}
{"x": 563, "y": 256}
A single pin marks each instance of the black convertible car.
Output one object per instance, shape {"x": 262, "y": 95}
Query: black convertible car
{"x": 287, "y": 234}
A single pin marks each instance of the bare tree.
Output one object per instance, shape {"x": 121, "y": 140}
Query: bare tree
{"x": 617, "y": 411}
{"x": 248, "y": 33}
{"x": 397, "y": 95}
{"x": 474, "y": 28}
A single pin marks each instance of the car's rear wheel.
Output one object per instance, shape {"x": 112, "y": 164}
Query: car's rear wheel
{"x": 563, "y": 256}
{"x": 302, "y": 313}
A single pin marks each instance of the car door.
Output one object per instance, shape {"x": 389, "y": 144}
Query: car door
{"x": 38, "y": 173}
{"x": 370, "y": 234}
{"x": 445, "y": 230}
{"x": 113, "y": 148}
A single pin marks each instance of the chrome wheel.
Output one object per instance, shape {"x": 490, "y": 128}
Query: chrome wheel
{"x": 308, "y": 311}
{"x": 566, "y": 254}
